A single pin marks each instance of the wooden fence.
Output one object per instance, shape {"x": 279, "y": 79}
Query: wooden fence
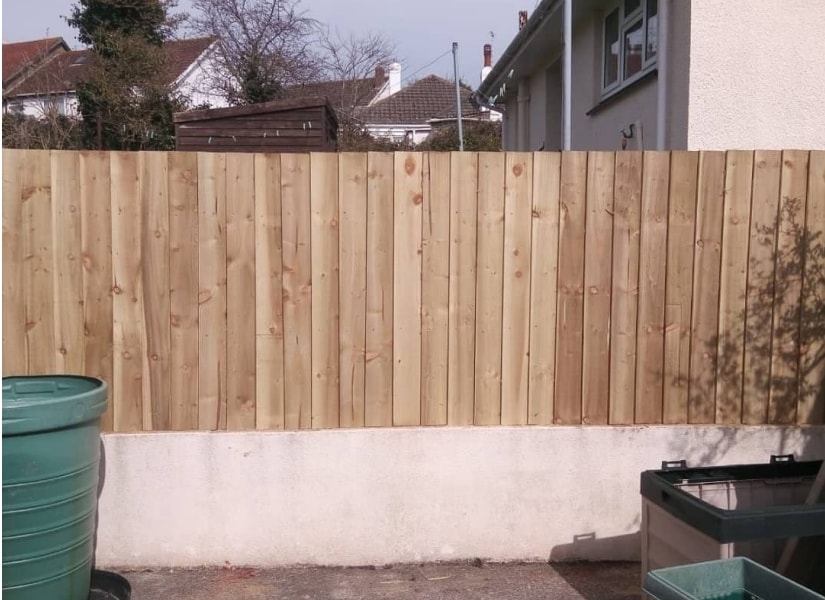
{"x": 291, "y": 291}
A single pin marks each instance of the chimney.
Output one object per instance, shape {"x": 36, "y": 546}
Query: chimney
{"x": 379, "y": 76}
{"x": 395, "y": 78}
{"x": 488, "y": 61}
{"x": 522, "y": 19}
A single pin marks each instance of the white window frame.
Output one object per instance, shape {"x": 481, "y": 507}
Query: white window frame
{"x": 626, "y": 22}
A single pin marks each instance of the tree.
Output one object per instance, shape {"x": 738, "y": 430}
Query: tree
{"x": 262, "y": 46}
{"x": 126, "y": 102}
{"x": 479, "y": 136}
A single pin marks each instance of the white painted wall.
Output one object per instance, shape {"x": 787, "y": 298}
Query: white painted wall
{"x": 376, "y": 496}
{"x": 757, "y": 74}
{"x": 198, "y": 83}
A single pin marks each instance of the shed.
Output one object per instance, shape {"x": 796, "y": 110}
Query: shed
{"x": 294, "y": 125}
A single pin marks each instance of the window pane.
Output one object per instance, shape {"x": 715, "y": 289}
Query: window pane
{"x": 631, "y": 5}
{"x": 611, "y": 48}
{"x": 652, "y": 29}
{"x": 633, "y": 42}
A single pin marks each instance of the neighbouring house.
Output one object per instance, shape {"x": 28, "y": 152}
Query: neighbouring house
{"x": 20, "y": 59}
{"x": 666, "y": 74}
{"x": 291, "y": 125}
{"x": 53, "y": 86}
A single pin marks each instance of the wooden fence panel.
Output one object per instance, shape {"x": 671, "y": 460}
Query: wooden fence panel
{"x": 68, "y": 266}
{"x": 379, "y": 369}
{"x": 269, "y": 305}
{"x": 323, "y": 198}
{"x": 183, "y": 289}
{"x": 625, "y": 293}
{"x": 352, "y": 198}
{"x": 435, "y": 288}
{"x": 489, "y": 289}
{"x": 570, "y": 311}
{"x": 652, "y": 266}
{"x": 297, "y": 270}
{"x": 294, "y": 291}
{"x": 463, "y": 216}
{"x": 543, "y": 291}
{"x": 790, "y": 239}
{"x": 764, "y": 220}
{"x": 598, "y": 262}
{"x": 733, "y": 286}
{"x": 409, "y": 196}
{"x": 240, "y": 291}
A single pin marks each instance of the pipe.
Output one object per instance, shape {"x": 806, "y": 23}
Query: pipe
{"x": 662, "y": 35}
{"x": 567, "y": 66}
{"x": 458, "y": 98}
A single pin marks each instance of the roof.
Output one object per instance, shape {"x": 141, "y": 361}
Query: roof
{"x": 247, "y": 110}
{"x": 65, "y": 71}
{"x": 17, "y": 56}
{"x": 429, "y": 98}
{"x": 343, "y": 95}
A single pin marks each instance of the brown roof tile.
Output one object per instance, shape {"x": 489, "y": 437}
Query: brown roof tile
{"x": 343, "y": 95}
{"x": 64, "y": 72}
{"x": 429, "y": 98}
{"x": 17, "y": 56}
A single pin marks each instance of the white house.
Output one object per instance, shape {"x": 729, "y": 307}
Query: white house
{"x": 53, "y": 85}
{"x": 668, "y": 74}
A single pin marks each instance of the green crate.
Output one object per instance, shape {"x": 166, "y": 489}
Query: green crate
{"x": 730, "y": 579}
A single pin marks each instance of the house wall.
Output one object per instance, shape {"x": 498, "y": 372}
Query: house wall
{"x": 397, "y": 133}
{"x": 757, "y": 74}
{"x": 553, "y": 109}
{"x": 537, "y": 136}
{"x": 35, "y": 106}
{"x": 376, "y": 496}
{"x": 199, "y": 86}
{"x": 509, "y": 132}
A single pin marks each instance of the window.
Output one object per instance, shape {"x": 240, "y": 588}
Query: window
{"x": 629, "y": 42}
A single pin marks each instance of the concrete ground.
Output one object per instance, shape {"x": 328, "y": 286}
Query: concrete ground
{"x": 455, "y": 581}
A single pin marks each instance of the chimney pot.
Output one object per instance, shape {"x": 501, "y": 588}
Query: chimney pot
{"x": 522, "y": 19}
{"x": 379, "y": 76}
{"x": 488, "y": 55}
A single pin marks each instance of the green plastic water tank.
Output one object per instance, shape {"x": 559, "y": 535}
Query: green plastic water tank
{"x": 51, "y": 455}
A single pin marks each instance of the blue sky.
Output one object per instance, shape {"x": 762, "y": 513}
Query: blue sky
{"x": 421, "y": 30}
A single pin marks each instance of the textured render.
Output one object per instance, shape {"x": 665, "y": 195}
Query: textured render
{"x": 757, "y": 74}
{"x": 378, "y": 496}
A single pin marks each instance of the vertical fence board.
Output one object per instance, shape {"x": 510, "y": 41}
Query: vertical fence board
{"x": 598, "y": 261}
{"x": 811, "y": 407}
{"x": 570, "y": 310}
{"x": 625, "y": 286}
{"x": 38, "y": 285}
{"x": 352, "y": 189}
{"x": 96, "y": 250}
{"x": 679, "y": 286}
{"x": 518, "y": 225}
{"x": 707, "y": 261}
{"x": 652, "y": 266}
{"x": 154, "y": 188}
{"x": 324, "y": 251}
{"x": 544, "y": 271}
{"x": 378, "y": 371}
{"x": 240, "y": 291}
{"x": 732, "y": 287}
{"x": 297, "y": 297}
{"x": 408, "y": 197}
{"x": 183, "y": 290}
{"x": 212, "y": 294}
{"x": 788, "y": 292}
{"x": 461, "y": 360}
{"x": 68, "y": 267}
{"x": 489, "y": 288}
{"x": 269, "y": 307}
{"x": 435, "y": 288}
{"x": 764, "y": 217}
{"x": 128, "y": 307}
{"x": 14, "y": 303}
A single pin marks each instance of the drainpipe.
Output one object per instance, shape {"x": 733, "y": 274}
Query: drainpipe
{"x": 568, "y": 73}
{"x": 663, "y": 24}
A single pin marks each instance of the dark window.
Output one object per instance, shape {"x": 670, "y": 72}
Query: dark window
{"x": 611, "y": 48}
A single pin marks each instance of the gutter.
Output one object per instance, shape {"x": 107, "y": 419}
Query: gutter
{"x": 503, "y": 67}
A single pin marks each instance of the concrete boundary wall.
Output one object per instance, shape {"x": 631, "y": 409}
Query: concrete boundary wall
{"x": 377, "y": 496}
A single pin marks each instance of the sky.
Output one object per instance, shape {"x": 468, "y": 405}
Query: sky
{"x": 421, "y": 30}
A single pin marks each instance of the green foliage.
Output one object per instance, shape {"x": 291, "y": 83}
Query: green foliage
{"x": 126, "y": 102}
{"x": 479, "y": 136}
{"x": 257, "y": 84}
